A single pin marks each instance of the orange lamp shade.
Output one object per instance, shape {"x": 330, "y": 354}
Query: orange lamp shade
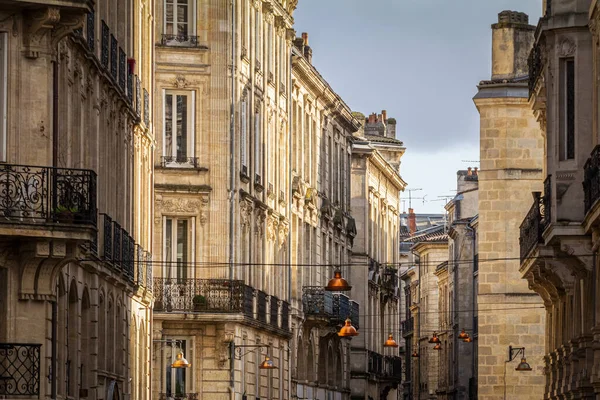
{"x": 337, "y": 283}
{"x": 434, "y": 338}
{"x": 390, "y": 342}
{"x": 348, "y": 330}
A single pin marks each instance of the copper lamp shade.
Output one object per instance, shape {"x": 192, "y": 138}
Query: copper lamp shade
{"x": 390, "y": 342}
{"x": 437, "y": 346}
{"x": 180, "y": 361}
{"x": 463, "y": 335}
{"x": 523, "y": 365}
{"x": 337, "y": 283}
{"x": 415, "y": 354}
{"x": 434, "y": 338}
{"x": 267, "y": 364}
{"x": 348, "y": 330}
{"x": 467, "y": 340}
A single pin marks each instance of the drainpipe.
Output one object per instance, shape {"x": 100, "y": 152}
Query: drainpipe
{"x": 232, "y": 188}
{"x": 473, "y": 300}
{"x": 232, "y": 148}
{"x": 54, "y": 304}
{"x": 55, "y": 113}
{"x": 419, "y": 336}
{"x": 289, "y": 210}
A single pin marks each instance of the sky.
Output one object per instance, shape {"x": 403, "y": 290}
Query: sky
{"x": 420, "y": 60}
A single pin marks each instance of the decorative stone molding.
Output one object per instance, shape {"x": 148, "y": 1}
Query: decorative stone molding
{"x": 180, "y": 82}
{"x": 259, "y": 221}
{"x": 272, "y": 224}
{"x": 182, "y": 205}
{"x": 566, "y": 48}
{"x": 283, "y": 233}
{"x": 246, "y": 209}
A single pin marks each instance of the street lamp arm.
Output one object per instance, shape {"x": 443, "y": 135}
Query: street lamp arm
{"x": 238, "y": 354}
{"x": 513, "y": 352}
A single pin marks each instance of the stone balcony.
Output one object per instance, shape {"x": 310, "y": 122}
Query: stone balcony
{"x": 384, "y": 368}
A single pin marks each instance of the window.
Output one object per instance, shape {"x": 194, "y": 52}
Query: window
{"x": 567, "y": 109}
{"x": 244, "y": 136}
{"x": 179, "y": 22}
{"x": 178, "y": 137}
{"x": 178, "y": 246}
{"x": 3, "y": 93}
{"x": 178, "y": 381}
{"x": 257, "y": 146}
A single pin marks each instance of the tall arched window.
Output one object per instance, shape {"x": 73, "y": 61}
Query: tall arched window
{"x": 133, "y": 359}
{"x": 73, "y": 340}
{"x": 142, "y": 361}
{"x": 61, "y": 333}
{"x": 102, "y": 331}
{"x": 110, "y": 335}
{"x": 310, "y": 360}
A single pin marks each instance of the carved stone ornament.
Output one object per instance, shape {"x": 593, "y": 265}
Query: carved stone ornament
{"x": 185, "y": 206}
{"x": 180, "y": 82}
{"x": 283, "y": 233}
{"x": 259, "y": 222}
{"x": 245, "y": 215}
{"x": 566, "y": 48}
{"x": 272, "y": 228}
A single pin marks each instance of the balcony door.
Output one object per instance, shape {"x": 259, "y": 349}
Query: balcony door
{"x": 179, "y": 123}
{"x": 178, "y": 248}
{"x": 178, "y": 382}
{"x": 180, "y": 21}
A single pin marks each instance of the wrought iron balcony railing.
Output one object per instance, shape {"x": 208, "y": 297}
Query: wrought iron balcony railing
{"x": 408, "y": 326}
{"x": 19, "y": 369}
{"x": 591, "y": 180}
{"x": 33, "y": 195}
{"x": 274, "y": 311}
{"x": 536, "y": 221}
{"x": 375, "y": 363}
{"x": 318, "y": 302}
{"x": 180, "y": 396}
{"x": 202, "y": 295}
{"x": 179, "y": 40}
{"x": 535, "y": 67}
{"x": 384, "y": 367}
{"x": 178, "y": 162}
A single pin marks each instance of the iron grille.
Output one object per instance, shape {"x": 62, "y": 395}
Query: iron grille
{"x": 176, "y": 161}
{"x": 180, "y": 396}
{"x": 274, "y": 317}
{"x": 20, "y": 369}
{"x": 91, "y": 30}
{"x": 130, "y": 88}
{"x": 408, "y": 326}
{"x": 139, "y": 265}
{"x": 547, "y": 203}
{"x": 122, "y": 68}
{"x": 591, "y": 180}
{"x": 285, "y": 315}
{"x": 535, "y": 67}
{"x": 113, "y": 56}
{"x": 341, "y": 307}
{"x": 117, "y": 243}
{"x": 179, "y": 40}
{"x": 248, "y": 302}
{"x": 199, "y": 295}
{"x": 375, "y": 363}
{"x": 105, "y": 45}
{"x": 31, "y": 194}
{"x": 530, "y": 231}
{"x": 148, "y": 264}
{"x": 124, "y": 252}
{"x": 146, "y": 107}
{"x": 108, "y": 254}
{"x": 261, "y": 306}
{"x": 316, "y": 301}
{"x": 355, "y": 313}
{"x": 138, "y": 96}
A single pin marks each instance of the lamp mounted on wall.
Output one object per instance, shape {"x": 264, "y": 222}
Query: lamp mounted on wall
{"x": 513, "y": 352}
{"x": 238, "y": 354}
{"x": 180, "y": 361}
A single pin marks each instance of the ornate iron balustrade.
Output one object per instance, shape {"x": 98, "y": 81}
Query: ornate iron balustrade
{"x": 274, "y": 311}
{"x": 591, "y": 180}
{"x": 128, "y": 255}
{"x": 113, "y": 56}
{"x": 130, "y": 88}
{"x": 105, "y": 45}
{"x": 122, "y": 69}
{"x": 140, "y": 270}
{"x": 148, "y": 268}
{"x": 180, "y": 396}
{"x": 32, "y": 195}
{"x": 531, "y": 227}
{"x": 535, "y": 67}
{"x": 285, "y": 315}
{"x": 178, "y": 162}
{"x": 201, "y": 295}
{"x": 19, "y": 369}
{"x": 316, "y": 301}
{"x": 341, "y": 307}
{"x": 138, "y": 96}
{"x": 146, "y": 107}
{"x": 107, "y": 236}
{"x": 117, "y": 245}
{"x": 179, "y": 40}
{"x": 392, "y": 368}
{"x": 408, "y": 326}
{"x": 547, "y": 203}
{"x": 261, "y": 306}
{"x": 91, "y": 30}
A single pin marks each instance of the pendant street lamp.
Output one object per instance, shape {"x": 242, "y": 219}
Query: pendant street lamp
{"x": 337, "y": 283}
{"x": 467, "y": 340}
{"x": 348, "y": 330}
{"x": 415, "y": 354}
{"x": 180, "y": 361}
{"x": 463, "y": 335}
{"x": 434, "y": 338}
{"x": 437, "y": 346}
{"x": 267, "y": 364}
{"x": 238, "y": 355}
{"x": 390, "y": 342}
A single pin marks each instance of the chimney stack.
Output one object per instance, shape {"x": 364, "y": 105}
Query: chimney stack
{"x": 469, "y": 172}
{"x": 512, "y": 40}
{"x": 412, "y": 221}
{"x": 384, "y": 115}
{"x": 305, "y": 38}
{"x": 372, "y": 118}
{"x": 475, "y": 171}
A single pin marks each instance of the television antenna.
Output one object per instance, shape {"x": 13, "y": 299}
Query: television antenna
{"x": 410, "y": 196}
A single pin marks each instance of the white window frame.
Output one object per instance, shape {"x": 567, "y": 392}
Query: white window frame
{"x": 3, "y": 94}
{"x": 191, "y": 123}
{"x": 170, "y": 266}
{"x": 173, "y": 347}
{"x": 244, "y": 134}
{"x": 258, "y": 145}
{"x": 191, "y": 4}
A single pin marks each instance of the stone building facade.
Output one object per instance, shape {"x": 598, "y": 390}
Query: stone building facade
{"x": 428, "y": 270}
{"x": 322, "y": 231}
{"x": 222, "y": 206}
{"x": 76, "y": 152}
{"x": 457, "y": 292}
{"x": 375, "y": 192}
{"x": 512, "y": 166}
{"x": 559, "y": 234}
